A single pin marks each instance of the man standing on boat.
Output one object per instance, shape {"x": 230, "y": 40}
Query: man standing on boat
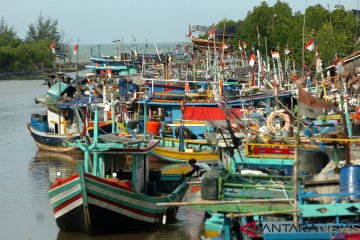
{"x": 199, "y": 168}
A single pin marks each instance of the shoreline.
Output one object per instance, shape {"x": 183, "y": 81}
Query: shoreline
{"x": 32, "y": 75}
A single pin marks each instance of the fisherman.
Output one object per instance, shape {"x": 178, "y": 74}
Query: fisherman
{"x": 199, "y": 168}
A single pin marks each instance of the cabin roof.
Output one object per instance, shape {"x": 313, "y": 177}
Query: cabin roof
{"x": 53, "y": 92}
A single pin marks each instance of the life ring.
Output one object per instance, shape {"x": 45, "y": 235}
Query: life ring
{"x": 271, "y": 125}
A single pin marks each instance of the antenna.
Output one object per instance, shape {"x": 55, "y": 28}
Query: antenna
{"x": 332, "y": 30}
{"x": 356, "y": 25}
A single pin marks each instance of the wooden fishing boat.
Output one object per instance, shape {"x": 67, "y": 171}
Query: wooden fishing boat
{"x": 63, "y": 120}
{"x": 110, "y": 65}
{"x": 202, "y": 151}
{"x": 96, "y": 201}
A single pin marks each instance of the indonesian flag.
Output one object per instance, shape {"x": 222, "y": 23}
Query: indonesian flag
{"x": 212, "y": 33}
{"x": 189, "y": 34}
{"x": 225, "y": 46}
{"x": 252, "y": 60}
{"x": 144, "y": 59}
{"x": 75, "y": 50}
{"x": 52, "y": 47}
{"x": 186, "y": 48}
{"x": 310, "y": 45}
{"x": 221, "y": 63}
{"x": 275, "y": 55}
{"x": 240, "y": 48}
{"x": 108, "y": 71}
{"x": 339, "y": 67}
{"x": 287, "y": 51}
{"x": 245, "y": 44}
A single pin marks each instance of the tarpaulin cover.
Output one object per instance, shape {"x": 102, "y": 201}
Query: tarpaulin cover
{"x": 209, "y": 113}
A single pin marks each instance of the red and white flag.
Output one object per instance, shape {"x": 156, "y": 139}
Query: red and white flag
{"x": 189, "y": 34}
{"x": 310, "y": 45}
{"x": 287, "y": 51}
{"x": 222, "y": 65}
{"x": 143, "y": 59}
{"x": 252, "y": 60}
{"x": 240, "y": 48}
{"x": 52, "y": 47}
{"x": 211, "y": 33}
{"x": 75, "y": 50}
{"x": 225, "y": 46}
{"x": 245, "y": 44}
{"x": 275, "y": 55}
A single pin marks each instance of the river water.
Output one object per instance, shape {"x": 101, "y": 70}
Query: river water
{"x": 25, "y": 175}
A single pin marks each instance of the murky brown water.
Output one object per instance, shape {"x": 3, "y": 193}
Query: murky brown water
{"x": 25, "y": 175}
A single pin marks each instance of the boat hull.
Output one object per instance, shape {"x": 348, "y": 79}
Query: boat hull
{"x": 56, "y": 142}
{"x": 183, "y": 157}
{"x": 50, "y": 141}
{"x": 100, "y": 206}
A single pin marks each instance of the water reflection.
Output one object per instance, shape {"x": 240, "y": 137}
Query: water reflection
{"x": 188, "y": 227}
{"x": 43, "y": 170}
{"x": 45, "y": 164}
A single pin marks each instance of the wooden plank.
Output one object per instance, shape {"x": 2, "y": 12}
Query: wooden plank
{"x": 264, "y": 150}
{"x": 231, "y": 215}
{"x": 328, "y": 210}
{"x": 321, "y": 183}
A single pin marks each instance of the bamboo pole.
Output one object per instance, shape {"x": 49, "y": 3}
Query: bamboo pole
{"x": 232, "y": 215}
{"x": 243, "y": 201}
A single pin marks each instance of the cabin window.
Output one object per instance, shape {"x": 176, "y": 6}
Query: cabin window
{"x": 56, "y": 128}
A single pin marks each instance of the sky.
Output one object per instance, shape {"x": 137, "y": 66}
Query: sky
{"x": 102, "y": 22}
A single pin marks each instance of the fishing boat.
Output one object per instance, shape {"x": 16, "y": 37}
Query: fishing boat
{"x": 170, "y": 149}
{"x": 112, "y": 66}
{"x": 116, "y": 194}
{"x": 66, "y": 108}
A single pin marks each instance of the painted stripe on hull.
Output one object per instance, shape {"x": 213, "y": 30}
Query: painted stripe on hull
{"x": 51, "y": 141}
{"x": 64, "y": 194}
{"x": 68, "y": 206}
{"x": 111, "y": 208}
{"x": 121, "y": 209}
{"x": 54, "y": 148}
{"x": 181, "y": 157}
{"x": 63, "y": 182}
{"x": 119, "y": 190}
{"x": 130, "y": 202}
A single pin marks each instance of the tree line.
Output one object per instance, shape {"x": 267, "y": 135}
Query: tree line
{"x": 33, "y": 53}
{"x": 274, "y": 28}
{"x": 267, "y": 28}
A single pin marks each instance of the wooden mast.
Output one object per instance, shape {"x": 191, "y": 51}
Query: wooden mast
{"x": 297, "y": 136}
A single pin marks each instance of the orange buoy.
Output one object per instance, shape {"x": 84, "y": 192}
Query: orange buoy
{"x": 153, "y": 127}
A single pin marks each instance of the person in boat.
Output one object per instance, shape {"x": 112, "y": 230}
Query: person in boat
{"x": 199, "y": 168}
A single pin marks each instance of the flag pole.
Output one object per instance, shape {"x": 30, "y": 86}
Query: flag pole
{"x": 297, "y": 136}
{"x": 215, "y": 57}
{"x": 77, "y": 59}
